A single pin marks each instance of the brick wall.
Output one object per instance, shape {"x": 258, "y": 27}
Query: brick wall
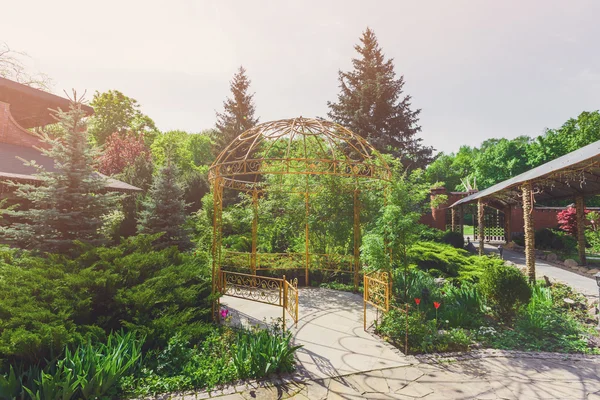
{"x": 11, "y": 132}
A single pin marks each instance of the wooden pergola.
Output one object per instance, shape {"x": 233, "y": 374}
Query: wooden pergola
{"x": 573, "y": 176}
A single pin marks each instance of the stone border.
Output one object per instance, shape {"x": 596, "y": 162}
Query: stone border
{"x": 434, "y": 358}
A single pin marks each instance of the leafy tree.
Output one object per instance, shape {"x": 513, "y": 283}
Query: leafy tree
{"x": 115, "y": 112}
{"x": 500, "y": 159}
{"x": 372, "y": 104}
{"x": 572, "y": 135}
{"x": 68, "y": 203}
{"x": 238, "y": 112}
{"x": 120, "y": 151}
{"x": 164, "y": 210}
{"x": 567, "y": 220}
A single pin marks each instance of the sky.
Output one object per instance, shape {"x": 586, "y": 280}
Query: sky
{"x": 476, "y": 69}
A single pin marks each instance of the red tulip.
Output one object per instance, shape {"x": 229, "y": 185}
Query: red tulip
{"x": 436, "y": 304}
{"x": 417, "y": 301}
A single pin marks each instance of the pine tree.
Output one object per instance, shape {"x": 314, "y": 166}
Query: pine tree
{"x": 68, "y": 203}
{"x": 238, "y": 113}
{"x": 372, "y": 104}
{"x": 164, "y": 210}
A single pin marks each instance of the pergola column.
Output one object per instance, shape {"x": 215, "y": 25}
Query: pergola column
{"x": 461, "y": 219}
{"x": 580, "y": 209}
{"x": 508, "y": 224}
{"x": 527, "y": 194}
{"x": 481, "y": 230}
{"x": 356, "y": 238}
{"x": 454, "y": 218}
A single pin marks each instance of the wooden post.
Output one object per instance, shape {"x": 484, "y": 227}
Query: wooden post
{"x": 481, "y": 233}
{"x": 454, "y": 218}
{"x": 461, "y": 218}
{"x": 580, "y": 209}
{"x": 284, "y": 300}
{"x": 529, "y": 230}
{"x": 508, "y": 224}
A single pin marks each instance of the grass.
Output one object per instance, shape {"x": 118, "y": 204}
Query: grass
{"x": 468, "y": 230}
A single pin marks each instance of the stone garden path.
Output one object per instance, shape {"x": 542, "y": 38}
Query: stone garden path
{"x": 484, "y": 375}
{"x": 330, "y": 330}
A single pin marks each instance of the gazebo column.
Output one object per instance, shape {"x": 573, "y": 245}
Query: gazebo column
{"x": 580, "y": 209}
{"x": 527, "y": 194}
{"x": 356, "y": 238}
{"x": 254, "y": 231}
{"x": 216, "y": 243}
{"x": 481, "y": 230}
{"x": 306, "y": 240}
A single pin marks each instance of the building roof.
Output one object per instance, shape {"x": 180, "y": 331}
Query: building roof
{"x": 576, "y": 173}
{"x": 13, "y": 168}
{"x": 31, "y": 107}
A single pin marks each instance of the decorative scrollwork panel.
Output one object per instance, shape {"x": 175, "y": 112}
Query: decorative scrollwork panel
{"x": 256, "y": 288}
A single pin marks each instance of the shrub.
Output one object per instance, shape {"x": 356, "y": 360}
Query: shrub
{"x": 454, "y": 239}
{"x": 429, "y": 234}
{"x": 505, "y": 289}
{"x": 462, "y": 306}
{"x": 438, "y": 259}
{"x": 551, "y": 239}
{"x": 423, "y": 334}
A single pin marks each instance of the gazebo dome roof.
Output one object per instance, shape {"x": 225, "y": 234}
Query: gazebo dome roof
{"x": 297, "y": 146}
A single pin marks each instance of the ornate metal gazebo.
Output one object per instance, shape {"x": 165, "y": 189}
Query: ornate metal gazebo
{"x": 303, "y": 147}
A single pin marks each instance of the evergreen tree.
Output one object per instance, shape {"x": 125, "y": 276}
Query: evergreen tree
{"x": 164, "y": 210}
{"x": 68, "y": 203}
{"x": 371, "y": 103}
{"x": 238, "y": 113}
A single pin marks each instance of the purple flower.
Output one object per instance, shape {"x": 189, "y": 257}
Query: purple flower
{"x": 224, "y": 313}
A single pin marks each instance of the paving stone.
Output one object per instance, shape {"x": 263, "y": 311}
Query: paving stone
{"x": 416, "y": 390}
{"x": 316, "y": 390}
{"x": 370, "y": 382}
{"x": 341, "y": 388}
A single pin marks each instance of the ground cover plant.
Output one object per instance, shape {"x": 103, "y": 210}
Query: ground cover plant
{"x": 496, "y": 307}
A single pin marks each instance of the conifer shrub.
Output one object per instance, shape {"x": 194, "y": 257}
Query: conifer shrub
{"x": 505, "y": 289}
{"x": 454, "y": 239}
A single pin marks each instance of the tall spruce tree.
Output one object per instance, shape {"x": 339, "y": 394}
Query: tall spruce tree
{"x": 164, "y": 210}
{"x": 238, "y": 112}
{"x": 68, "y": 203}
{"x": 372, "y": 104}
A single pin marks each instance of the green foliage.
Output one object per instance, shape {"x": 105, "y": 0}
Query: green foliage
{"x": 115, "y": 112}
{"x": 505, "y": 289}
{"x": 572, "y": 135}
{"x": 423, "y": 334}
{"x": 455, "y": 239}
{"x": 438, "y": 259}
{"x": 164, "y": 211}
{"x": 90, "y": 371}
{"x": 225, "y": 355}
{"x": 429, "y": 234}
{"x": 372, "y": 104}
{"x": 262, "y": 353}
{"x": 552, "y": 239}
{"x": 69, "y": 202}
{"x": 49, "y": 303}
